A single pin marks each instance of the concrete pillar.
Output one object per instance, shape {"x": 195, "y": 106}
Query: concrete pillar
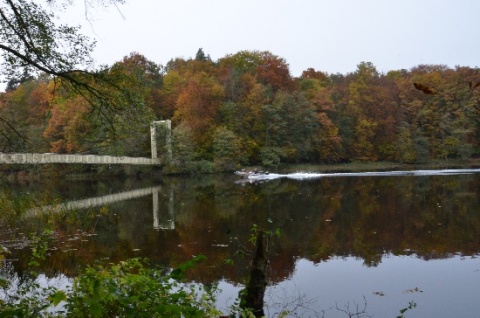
{"x": 168, "y": 138}
{"x": 153, "y": 139}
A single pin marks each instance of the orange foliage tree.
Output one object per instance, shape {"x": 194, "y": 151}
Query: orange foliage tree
{"x": 250, "y": 99}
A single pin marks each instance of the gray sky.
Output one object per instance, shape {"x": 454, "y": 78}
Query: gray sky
{"x": 329, "y": 35}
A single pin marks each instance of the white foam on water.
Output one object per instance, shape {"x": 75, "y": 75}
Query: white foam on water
{"x": 313, "y": 175}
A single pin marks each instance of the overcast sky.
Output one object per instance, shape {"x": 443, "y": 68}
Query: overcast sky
{"x": 329, "y": 35}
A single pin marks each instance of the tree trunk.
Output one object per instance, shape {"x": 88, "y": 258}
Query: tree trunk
{"x": 252, "y": 295}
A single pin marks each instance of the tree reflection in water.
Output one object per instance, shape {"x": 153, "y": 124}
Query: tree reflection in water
{"x": 369, "y": 218}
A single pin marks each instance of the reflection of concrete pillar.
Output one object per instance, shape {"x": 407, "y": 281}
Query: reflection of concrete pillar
{"x": 156, "y": 210}
{"x": 167, "y": 220}
{"x": 171, "y": 214}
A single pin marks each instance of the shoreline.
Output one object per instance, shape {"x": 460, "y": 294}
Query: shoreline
{"x": 31, "y": 173}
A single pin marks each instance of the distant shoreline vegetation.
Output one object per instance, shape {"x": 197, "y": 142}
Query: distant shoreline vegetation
{"x": 245, "y": 109}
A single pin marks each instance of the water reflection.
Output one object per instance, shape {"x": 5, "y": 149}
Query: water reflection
{"x": 434, "y": 216}
{"x": 161, "y": 221}
{"x": 366, "y": 224}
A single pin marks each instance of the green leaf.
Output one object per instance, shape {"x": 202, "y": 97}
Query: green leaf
{"x": 277, "y": 232}
{"x": 57, "y": 297}
{"x": 96, "y": 310}
{"x": 177, "y": 274}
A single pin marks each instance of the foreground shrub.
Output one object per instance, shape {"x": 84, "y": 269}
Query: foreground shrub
{"x": 127, "y": 289}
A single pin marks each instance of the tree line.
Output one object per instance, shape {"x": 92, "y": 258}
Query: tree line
{"x": 247, "y": 109}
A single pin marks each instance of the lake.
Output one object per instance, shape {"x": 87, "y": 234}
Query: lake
{"x": 348, "y": 242}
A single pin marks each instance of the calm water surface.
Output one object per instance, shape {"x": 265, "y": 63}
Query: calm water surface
{"x": 380, "y": 239}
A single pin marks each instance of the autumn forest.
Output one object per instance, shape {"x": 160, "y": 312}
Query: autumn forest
{"x": 247, "y": 109}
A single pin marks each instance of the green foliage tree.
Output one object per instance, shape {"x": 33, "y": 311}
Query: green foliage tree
{"x": 185, "y": 157}
{"x": 289, "y": 123}
{"x": 227, "y": 150}
{"x": 201, "y": 56}
{"x": 132, "y": 289}
{"x": 405, "y": 145}
{"x": 422, "y": 146}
